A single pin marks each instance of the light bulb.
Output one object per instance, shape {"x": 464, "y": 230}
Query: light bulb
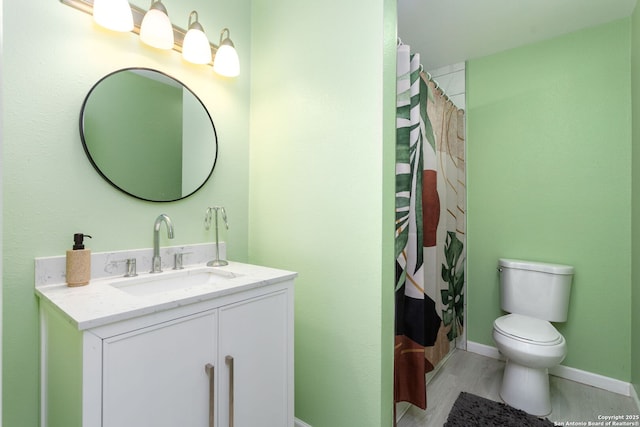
{"x": 226, "y": 62}
{"x": 195, "y": 47}
{"x": 113, "y": 14}
{"x": 156, "y": 29}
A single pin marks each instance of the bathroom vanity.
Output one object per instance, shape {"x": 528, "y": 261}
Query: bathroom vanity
{"x": 203, "y": 346}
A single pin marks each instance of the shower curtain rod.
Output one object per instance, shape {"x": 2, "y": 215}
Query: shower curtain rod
{"x": 430, "y": 78}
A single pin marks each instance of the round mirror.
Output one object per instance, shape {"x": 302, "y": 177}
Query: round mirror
{"x": 148, "y": 135}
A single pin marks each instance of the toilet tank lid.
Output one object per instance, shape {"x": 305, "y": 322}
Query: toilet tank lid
{"x": 536, "y": 266}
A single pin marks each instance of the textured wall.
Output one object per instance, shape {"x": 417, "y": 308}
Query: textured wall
{"x": 322, "y": 195}
{"x": 635, "y": 219}
{"x": 549, "y": 179}
{"x": 51, "y": 189}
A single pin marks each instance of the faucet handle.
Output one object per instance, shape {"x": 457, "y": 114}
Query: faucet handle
{"x": 131, "y": 266}
{"x": 178, "y": 259}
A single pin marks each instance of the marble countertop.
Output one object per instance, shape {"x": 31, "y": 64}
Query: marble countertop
{"x": 107, "y": 300}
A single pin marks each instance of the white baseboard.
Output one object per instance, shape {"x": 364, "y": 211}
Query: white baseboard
{"x": 594, "y": 380}
{"x": 299, "y": 423}
{"x": 573, "y": 374}
{"x": 484, "y": 350}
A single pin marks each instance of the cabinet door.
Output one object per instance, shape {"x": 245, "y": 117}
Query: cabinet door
{"x": 155, "y": 377}
{"x": 254, "y": 337}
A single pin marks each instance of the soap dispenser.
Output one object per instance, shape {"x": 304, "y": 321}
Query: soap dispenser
{"x": 78, "y": 262}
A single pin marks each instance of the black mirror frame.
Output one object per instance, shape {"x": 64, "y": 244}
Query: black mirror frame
{"x": 95, "y": 166}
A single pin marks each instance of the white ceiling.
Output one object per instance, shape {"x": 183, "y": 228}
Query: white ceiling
{"x": 445, "y": 32}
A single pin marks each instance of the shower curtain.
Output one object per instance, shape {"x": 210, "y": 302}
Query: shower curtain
{"x": 430, "y": 227}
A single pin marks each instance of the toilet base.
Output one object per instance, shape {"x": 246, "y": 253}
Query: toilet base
{"x": 526, "y": 389}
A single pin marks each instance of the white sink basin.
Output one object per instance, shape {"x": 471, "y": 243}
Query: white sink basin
{"x": 174, "y": 280}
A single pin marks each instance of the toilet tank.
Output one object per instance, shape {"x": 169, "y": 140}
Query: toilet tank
{"x": 535, "y": 289}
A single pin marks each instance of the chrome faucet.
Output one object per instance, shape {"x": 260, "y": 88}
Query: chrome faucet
{"x": 156, "y": 262}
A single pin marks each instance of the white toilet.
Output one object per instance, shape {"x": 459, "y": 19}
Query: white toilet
{"x": 535, "y": 294}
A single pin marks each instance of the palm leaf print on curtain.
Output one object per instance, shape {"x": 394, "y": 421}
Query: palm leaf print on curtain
{"x": 416, "y": 321}
{"x": 430, "y": 228}
{"x": 444, "y": 196}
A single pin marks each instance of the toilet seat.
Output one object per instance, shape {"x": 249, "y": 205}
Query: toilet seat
{"x": 527, "y": 329}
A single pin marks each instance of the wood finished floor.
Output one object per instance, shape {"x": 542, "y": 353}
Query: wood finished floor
{"x": 480, "y": 375}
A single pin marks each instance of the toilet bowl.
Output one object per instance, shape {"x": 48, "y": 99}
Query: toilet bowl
{"x": 534, "y": 294}
{"x": 531, "y": 346}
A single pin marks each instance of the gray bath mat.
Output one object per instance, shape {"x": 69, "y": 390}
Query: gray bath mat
{"x": 471, "y": 410}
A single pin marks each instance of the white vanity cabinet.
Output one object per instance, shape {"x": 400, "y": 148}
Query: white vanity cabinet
{"x": 155, "y": 376}
{"x": 223, "y": 362}
{"x": 252, "y": 363}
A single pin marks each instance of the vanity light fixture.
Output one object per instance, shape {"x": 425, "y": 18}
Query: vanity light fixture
{"x": 196, "y": 48}
{"x": 113, "y": 14}
{"x": 225, "y": 61}
{"x": 156, "y": 29}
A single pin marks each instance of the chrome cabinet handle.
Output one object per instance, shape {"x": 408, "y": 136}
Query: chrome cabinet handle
{"x": 229, "y": 361}
{"x": 210, "y": 370}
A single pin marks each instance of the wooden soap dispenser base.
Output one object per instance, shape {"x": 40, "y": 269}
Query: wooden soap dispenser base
{"x": 78, "y": 262}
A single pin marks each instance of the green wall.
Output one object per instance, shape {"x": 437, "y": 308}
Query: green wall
{"x": 321, "y": 195}
{"x": 322, "y": 152}
{"x": 549, "y": 179}
{"x": 50, "y": 188}
{"x": 635, "y": 183}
